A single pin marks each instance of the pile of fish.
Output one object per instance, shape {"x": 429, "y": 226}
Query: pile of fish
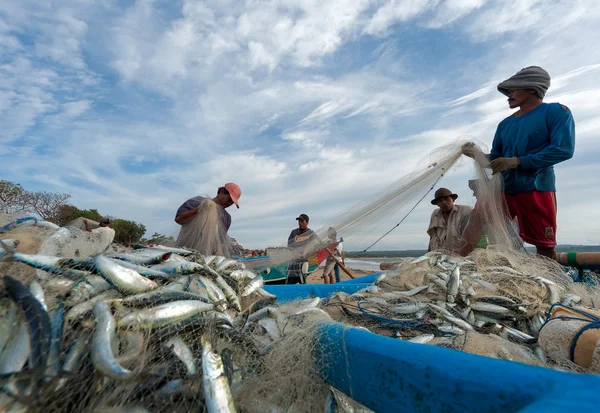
{"x": 110, "y": 330}
{"x": 492, "y": 310}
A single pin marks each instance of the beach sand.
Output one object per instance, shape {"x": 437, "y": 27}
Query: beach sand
{"x": 315, "y": 277}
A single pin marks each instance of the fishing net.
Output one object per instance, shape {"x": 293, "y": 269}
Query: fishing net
{"x": 206, "y": 232}
{"x": 163, "y": 328}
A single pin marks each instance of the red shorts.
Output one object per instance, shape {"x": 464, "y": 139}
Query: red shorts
{"x": 536, "y": 214}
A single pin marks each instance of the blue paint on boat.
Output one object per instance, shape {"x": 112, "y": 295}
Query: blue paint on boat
{"x": 389, "y": 375}
{"x": 300, "y": 291}
{"x": 366, "y": 279}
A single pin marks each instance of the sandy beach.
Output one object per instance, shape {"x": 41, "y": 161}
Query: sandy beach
{"x": 316, "y": 276}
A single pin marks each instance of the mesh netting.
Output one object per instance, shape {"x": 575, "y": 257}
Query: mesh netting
{"x": 88, "y": 328}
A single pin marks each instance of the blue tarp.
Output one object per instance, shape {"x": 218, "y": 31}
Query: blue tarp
{"x": 299, "y": 291}
{"x": 389, "y": 375}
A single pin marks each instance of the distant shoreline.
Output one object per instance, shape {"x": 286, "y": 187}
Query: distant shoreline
{"x": 418, "y": 253}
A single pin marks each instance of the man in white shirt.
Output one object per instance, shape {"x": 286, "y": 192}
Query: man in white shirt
{"x": 104, "y": 231}
{"x": 447, "y": 222}
{"x": 331, "y": 262}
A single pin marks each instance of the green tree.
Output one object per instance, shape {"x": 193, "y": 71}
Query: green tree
{"x": 158, "y": 238}
{"x": 69, "y": 212}
{"x": 127, "y": 232}
{"x": 12, "y": 197}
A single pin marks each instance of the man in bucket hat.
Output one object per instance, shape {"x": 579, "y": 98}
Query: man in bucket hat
{"x": 447, "y": 222}
{"x": 525, "y": 149}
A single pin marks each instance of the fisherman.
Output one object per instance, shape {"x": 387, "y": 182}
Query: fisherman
{"x": 525, "y": 149}
{"x": 474, "y": 234}
{"x": 336, "y": 255}
{"x": 301, "y": 242}
{"x": 106, "y": 233}
{"x": 447, "y": 222}
{"x": 190, "y": 237}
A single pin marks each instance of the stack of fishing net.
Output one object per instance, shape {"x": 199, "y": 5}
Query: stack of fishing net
{"x": 493, "y": 303}
{"x": 151, "y": 329}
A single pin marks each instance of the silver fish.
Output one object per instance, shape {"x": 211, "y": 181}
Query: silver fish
{"x": 252, "y": 286}
{"x": 79, "y": 348}
{"x": 408, "y": 308}
{"x": 140, "y": 269}
{"x": 103, "y": 358}
{"x": 422, "y": 339}
{"x": 178, "y": 251}
{"x": 143, "y": 257}
{"x": 82, "y": 309}
{"x": 452, "y": 285}
{"x": 164, "y": 314}
{"x": 231, "y": 296}
{"x": 571, "y": 300}
{"x": 489, "y": 308}
{"x": 132, "y": 345}
{"x": 183, "y": 353}
{"x": 179, "y": 267}
{"x": 271, "y": 327}
{"x": 126, "y": 280}
{"x": 412, "y": 292}
{"x": 214, "y": 293}
{"x": 16, "y": 351}
{"x": 216, "y": 387}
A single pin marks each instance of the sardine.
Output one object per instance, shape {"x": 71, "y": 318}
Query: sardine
{"x": 147, "y": 272}
{"x": 183, "y": 353}
{"x": 422, "y": 339}
{"x": 38, "y": 321}
{"x": 77, "y": 351}
{"x": 126, "y": 280}
{"x": 179, "y": 267}
{"x": 155, "y": 257}
{"x": 103, "y": 358}
{"x": 452, "y": 285}
{"x": 408, "y": 308}
{"x": 16, "y": 351}
{"x": 179, "y": 251}
{"x": 571, "y": 300}
{"x": 160, "y": 296}
{"x": 230, "y": 294}
{"x": 489, "y": 308}
{"x": 217, "y": 393}
{"x": 163, "y": 314}
{"x": 84, "y": 308}
{"x": 57, "y": 322}
{"x": 132, "y": 345}
{"x": 214, "y": 293}
{"x": 271, "y": 327}
{"x": 412, "y": 292}
{"x": 252, "y": 286}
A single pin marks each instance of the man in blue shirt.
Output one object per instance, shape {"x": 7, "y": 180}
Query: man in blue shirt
{"x": 525, "y": 149}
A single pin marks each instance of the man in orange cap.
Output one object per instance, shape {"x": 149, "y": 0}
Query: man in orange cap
{"x": 227, "y": 195}
{"x": 447, "y": 222}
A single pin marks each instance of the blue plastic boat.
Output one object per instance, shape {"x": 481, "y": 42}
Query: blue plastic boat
{"x": 389, "y": 375}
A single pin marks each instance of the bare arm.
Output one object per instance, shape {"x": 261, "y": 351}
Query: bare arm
{"x": 186, "y": 216}
{"x": 87, "y": 226}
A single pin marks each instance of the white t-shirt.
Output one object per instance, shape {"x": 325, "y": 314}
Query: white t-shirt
{"x": 107, "y": 234}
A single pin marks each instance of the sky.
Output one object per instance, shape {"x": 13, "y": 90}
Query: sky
{"x": 132, "y": 107}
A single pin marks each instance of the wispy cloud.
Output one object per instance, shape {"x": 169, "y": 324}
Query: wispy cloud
{"x": 309, "y": 106}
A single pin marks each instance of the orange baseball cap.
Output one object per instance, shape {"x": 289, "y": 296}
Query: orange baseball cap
{"x": 234, "y": 191}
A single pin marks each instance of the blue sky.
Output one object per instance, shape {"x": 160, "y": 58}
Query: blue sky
{"x": 133, "y": 107}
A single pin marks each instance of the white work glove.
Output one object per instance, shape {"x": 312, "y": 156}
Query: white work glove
{"x": 504, "y": 164}
{"x": 468, "y": 149}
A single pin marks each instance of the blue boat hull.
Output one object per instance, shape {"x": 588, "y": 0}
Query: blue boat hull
{"x": 390, "y": 375}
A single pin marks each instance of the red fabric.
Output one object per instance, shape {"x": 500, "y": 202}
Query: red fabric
{"x": 536, "y": 214}
{"x": 323, "y": 254}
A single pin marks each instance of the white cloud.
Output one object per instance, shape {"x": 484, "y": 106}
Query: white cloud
{"x": 308, "y": 106}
